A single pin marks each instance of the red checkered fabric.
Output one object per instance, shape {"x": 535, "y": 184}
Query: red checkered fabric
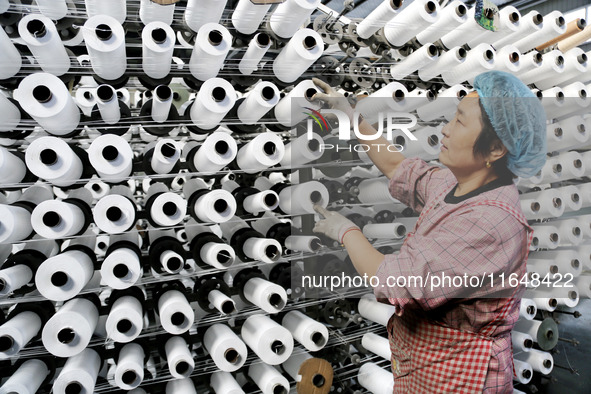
{"x": 454, "y": 339}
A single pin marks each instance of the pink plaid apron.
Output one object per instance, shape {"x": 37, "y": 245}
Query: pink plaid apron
{"x": 429, "y": 357}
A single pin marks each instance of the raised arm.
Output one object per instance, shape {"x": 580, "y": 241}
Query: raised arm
{"x": 386, "y": 161}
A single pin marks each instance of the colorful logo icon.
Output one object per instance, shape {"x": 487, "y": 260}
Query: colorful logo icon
{"x": 317, "y": 117}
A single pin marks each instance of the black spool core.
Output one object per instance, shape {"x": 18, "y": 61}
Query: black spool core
{"x": 73, "y": 388}
{"x": 553, "y": 303}
{"x": 526, "y": 374}
{"x": 488, "y": 54}
{"x": 51, "y": 219}
{"x": 182, "y": 367}
{"x": 461, "y": 10}
{"x": 277, "y": 347}
{"x": 129, "y": 377}
{"x": 315, "y": 245}
{"x": 231, "y": 356}
{"x": 263, "y": 39}
{"x": 6, "y": 342}
{"x": 59, "y": 279}
{"x": 221, "y": 147}
{"x": 174, "y": 264}
{"x": 269, "y": 148}
{"x": 114, "y": 214}
{"x": 430, "y": 7}
{"x": 220, "y": 205}
{"x": 547, "y": 363}
{"x": 163, "y": 92}
{"x": 87, "y": 95}
{"x": 315, "y": 196}
{"x": 42, "y": 93}
{"x": 535, "y": 206}
{"x": 572, "y": 295}
{"x": 66, "y": 335}
{"x": 268, "y": 93}
{"x": 120, "y": 271}
{"x": 103, "y": 32}
{"x": 560, "y": 21}
{"x": 514, "y": 57}
{"x": 313, "y": 145}
{"x": 275, "y": 300}
{"x": 124, "y": 326}
{"x": 218, "y": 94}
{"x": 36, "y": 27}
{"x": 310, "y": 42}
{"x": 310, "y": 93}
{"x": 159, "y": 35}
{"x": 575, "y": 197}
{"x": 169, "y": 208}
{"x": 96, "y": 187}
{"x": 433, "y": 140}
{"x": 215, "y": 37}
{"x": 48, "y": 157}
{"x": 400, "y": 231}
{"x": 105, "y": 93}
{"x": 559, "y": 60}
{"x": 223, "y": 257}
{"x": 168, "y": 150}
{"x": 318, "y": 380}
{"x": 462, "y": 53}
{"x": 528, "y": 343}
{"x": 178, "y": 319}
{"x": 271, "y": 251}
{"x": 270, "y": 200}
{"x": 110, "y": 153}
{"x": 318, "y": 338}
{"x": 227, "y": 307}
{"x": 399, "y": 140}
{"x": 432, "y": 50}
{"x": 279, "y": 390}
{"x": 398, "y": 95}
{"x": 531, "y": 309}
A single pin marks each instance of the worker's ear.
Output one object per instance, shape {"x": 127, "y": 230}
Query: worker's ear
{"x": 497, "y": 151}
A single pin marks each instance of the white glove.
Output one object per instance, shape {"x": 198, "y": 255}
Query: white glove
{"x": 333, "y": 98}
{"x": 334, "y": 225}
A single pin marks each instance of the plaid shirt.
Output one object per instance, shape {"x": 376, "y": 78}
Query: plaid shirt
{"x": 482, "y": 235}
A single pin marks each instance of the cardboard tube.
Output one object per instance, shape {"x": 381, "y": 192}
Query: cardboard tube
{"x": 572, "y": 28}
{"x": 575, "y": 40}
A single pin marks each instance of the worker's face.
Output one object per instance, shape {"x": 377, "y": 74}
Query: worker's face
{"x": 459, "y": 137}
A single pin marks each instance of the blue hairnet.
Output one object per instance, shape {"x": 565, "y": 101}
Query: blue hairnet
{"x": 517, "y": 117}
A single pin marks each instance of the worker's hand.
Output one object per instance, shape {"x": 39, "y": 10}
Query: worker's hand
{"x": 334, "y": 225}
{"x": 333, "y": 98}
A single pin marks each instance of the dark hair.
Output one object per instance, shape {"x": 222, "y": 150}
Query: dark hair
{"x": 486, "y": 141}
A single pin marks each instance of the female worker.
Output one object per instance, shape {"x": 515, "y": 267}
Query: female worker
{"x": 448, "y": 337}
